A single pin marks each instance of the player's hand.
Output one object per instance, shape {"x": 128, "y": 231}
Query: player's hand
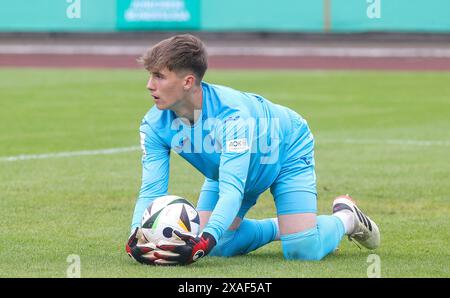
{"x": 188, "y": 252}
{"x": 137, "y": 250}
{"x": 144, "y": 252}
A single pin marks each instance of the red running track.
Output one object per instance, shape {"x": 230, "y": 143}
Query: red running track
{"x": 232, "y": 62}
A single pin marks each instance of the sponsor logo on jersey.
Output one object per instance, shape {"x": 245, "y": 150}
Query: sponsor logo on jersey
{"x": 238, "y": 145}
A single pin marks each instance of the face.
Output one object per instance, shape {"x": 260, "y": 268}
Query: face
{"x": 167, "y": 88}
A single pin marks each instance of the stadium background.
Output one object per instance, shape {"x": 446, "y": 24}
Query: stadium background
{"x": 372, "y": 78}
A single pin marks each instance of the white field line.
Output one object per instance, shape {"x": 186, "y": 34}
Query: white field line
{"x": 70, "y": 154}
{"x": 269, "y": 51}
{"x": 136, "y": 148}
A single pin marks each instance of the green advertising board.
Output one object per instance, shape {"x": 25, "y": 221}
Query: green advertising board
{"x": 225, "y": 15}
{"x": 260, "y": 15}
{"x": 390, "y": 15}
{"x": 58, "y": 15}
{"x": 158, "y": 14}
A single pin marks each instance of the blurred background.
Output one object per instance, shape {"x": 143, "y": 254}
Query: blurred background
{"x": 376, "y": 34}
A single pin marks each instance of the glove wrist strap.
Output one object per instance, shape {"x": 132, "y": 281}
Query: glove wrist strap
{"x": 209, "y": 238}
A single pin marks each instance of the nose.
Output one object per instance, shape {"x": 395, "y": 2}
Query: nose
{"x": 151, "y": 84}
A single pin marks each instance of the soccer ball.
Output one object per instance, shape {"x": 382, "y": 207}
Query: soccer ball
{"x": 166, "y": 214}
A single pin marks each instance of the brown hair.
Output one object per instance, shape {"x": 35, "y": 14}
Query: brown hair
{"x": 179, "y": 53}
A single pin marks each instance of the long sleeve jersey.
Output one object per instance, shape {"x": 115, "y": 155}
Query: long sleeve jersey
{"x": 238, "y": 140}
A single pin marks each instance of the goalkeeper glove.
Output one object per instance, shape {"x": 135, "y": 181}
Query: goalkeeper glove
{"x": 144, "y": 252}
{"x": 188, "y": 252}
{"x": 137, "y": 250}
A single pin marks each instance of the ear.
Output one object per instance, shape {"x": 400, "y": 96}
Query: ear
{"x": 189, "y": 81}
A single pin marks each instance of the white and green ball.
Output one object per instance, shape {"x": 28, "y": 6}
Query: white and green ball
{"x": 166, "y": 214}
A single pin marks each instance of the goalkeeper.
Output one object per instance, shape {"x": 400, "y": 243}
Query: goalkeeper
{"x": 243, "y": 144}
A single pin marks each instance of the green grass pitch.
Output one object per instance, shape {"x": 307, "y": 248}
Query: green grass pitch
{"x": 383, "y": 137}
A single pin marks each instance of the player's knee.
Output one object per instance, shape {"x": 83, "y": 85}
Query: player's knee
{"x": 250, "y": 235}
{"x": 304, "y": 245}
{"x": 221, "y": 250}
{"x": 237, "y": 242}
{"x": 224, "y": 247}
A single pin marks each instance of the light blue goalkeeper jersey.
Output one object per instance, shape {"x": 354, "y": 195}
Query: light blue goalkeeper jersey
{"x": 239, "y": 141}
